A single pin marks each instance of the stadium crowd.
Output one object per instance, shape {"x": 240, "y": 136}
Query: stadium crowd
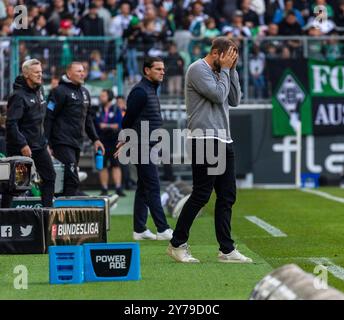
{"x": 159, "y": 28}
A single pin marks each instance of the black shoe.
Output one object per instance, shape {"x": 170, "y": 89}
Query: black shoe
{"x": 104, "y": 193}
{"x": 120, "y": 193}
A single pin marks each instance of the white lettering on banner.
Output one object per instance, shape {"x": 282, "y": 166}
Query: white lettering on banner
{"x": 78, "y": 229}
{"x": 319, "y": 77}
{"x": 323, "y": 75}
{"x": 310, "y": 161}
{"x": 115, "y": 261}
{"x": 334, "y": 163}
{"x": 287, "y": 147}
{"x": 330, "y": 115}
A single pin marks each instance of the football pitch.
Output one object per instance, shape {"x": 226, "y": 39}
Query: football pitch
{"x": 273, "y": 227}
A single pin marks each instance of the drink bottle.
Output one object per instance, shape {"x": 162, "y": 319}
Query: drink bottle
{"x": 99, "y": 159}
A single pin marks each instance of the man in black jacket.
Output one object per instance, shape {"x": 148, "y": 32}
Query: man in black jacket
{"x": 24, "y": 126}
{"x": 68, "y": 116}
{"x": 143, "y": 106}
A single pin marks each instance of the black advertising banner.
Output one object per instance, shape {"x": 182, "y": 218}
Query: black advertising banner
{"x": 328, "y": 115}
{"x": 21, "y": 231}
{"x": 111, "y": 263}
{"x": 72, "y": 226}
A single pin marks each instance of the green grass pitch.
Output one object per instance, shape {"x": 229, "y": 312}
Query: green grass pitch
{"x": 314, "y": 228}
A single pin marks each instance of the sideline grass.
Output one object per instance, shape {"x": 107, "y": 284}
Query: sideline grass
{"x": 314, "y": 226}
{"x": 162, "y": 278}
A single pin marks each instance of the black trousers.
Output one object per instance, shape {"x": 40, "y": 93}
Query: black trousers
{"x": 147, "y": 196}
{"x": 45, "y": 169}
{"x": 203, "y": 185}
{"x": 69, "y": 156}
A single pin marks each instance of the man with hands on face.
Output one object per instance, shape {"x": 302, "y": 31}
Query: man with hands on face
{"x": 211, "y": 87}
{"x": 24, "y": 128}
{"x": 68, "y": 117}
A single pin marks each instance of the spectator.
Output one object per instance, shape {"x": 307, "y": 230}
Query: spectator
{"x": 175, "y": 70}
{"x": 239, "y": 29}
{"x": 289, "y": 25}
{"x": 40, "y": 26}
{"x": 24, "y": 53}
{"x": 197, "y": 19}
{"x": 256, "y": 68}
{"x": 166, "y": 20}
{"x": 67, "y": 27}
{"x": 272, "y": 46}
{"x": 54, "y": 15}
{"x": 329, "y": 9}
{"x": 315, "y": 48}
{"x": 196, "y": 53}
{"x": 91, "y": 24}
{"x": 5, "y": 28}
{"x": 333, "y": 48}
{"x": 112, "y": 6}
{"x": 152, "y": 32}
{"x": 121, "y": 22}
{"x": 281, "y": 14}
{"x": 104, "y": 14}
{"x": 271, "y": 7}
{"x": 249, "y": 16}
{"x": 97, "y": 66}
{"x": 339, "y": 16}
{"x": 304, "y": 7}
{"x": 258, "y": 6}
{"x": 325, "y": 25}
{"x": 3, "y": 14}
{"x": 76, "y": 8}
{"x": 210, "y": 33}
{"x": 108, "y": 123}
{"x": 285, "y": 53}
{"x": 132, "y": 35}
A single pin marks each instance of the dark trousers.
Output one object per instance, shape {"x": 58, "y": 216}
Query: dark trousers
{"x": 45, "y": 169}
{"x": 148, "y": 196}
{"x": 203, "y": 185}
{"x": 69, "y": 156}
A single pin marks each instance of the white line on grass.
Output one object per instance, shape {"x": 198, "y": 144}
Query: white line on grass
{"x": 267, "y": 227}
{"x": 337, "y": 271}
{"x": 324, "y": 195}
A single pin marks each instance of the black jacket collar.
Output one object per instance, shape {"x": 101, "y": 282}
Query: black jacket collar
{"x": 151, "y": 84}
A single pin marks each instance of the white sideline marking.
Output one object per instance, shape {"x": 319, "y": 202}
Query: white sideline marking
{"x": 337, "y": 271}
{"x": 267, "y": 227}
{"x": 324, "y": 195}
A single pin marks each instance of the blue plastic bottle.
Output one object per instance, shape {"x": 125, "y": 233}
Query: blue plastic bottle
{"x": 99, "y": 160}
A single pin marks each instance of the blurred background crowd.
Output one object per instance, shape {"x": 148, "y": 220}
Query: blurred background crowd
{"x": 180, "y": 31}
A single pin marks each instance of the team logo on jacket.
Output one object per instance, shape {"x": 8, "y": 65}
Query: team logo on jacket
{"x": 74, "y": 96}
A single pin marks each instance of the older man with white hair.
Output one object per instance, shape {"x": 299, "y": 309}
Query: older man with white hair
{"x": 25, "y": 126}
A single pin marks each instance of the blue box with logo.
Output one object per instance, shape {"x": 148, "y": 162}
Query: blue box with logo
{"x": 112, "y": 261}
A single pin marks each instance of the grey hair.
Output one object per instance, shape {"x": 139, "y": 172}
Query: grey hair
{"x": 28, "y": 63}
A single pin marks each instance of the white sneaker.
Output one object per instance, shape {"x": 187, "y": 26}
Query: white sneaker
{"x": 233, "y": 257}
{"x": 165, "y": 235}
{"x": 145, "y": 235}
{"x": 181, "y": 254}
